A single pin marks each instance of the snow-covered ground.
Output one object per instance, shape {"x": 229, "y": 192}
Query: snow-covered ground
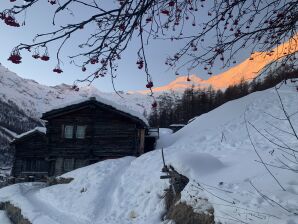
{"x": 3, "y": 218}
{"x": 213, "y": 151}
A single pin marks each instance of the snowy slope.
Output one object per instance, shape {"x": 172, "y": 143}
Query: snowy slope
{"x": 4, "y": 219}
{"x": 214, "y": 150}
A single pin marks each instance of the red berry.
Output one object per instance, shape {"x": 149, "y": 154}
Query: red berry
{"x": 165, "y": 12}
{"x": 93, "y": 60}
{"x": 52, "y": 2}
{"x": 45, "y": 58}
{"x": 140, "y": 62}
{"x": 171, "y": 3}
{"x": 154, "y": 104}
{"x": 10, "y": 21}
{"x": 57, "y": 69}
{"x": 35, "y": 56}
{"x": 15, "y": 57}
{"x": 149, "y": 85}
{"x": 122, "y": 27}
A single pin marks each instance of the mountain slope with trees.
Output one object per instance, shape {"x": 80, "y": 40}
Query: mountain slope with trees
{"x": 179, "y": 109}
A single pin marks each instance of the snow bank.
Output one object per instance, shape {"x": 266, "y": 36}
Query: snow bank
{"x": 4, "y": 219}
{"x": 213, "y": 151}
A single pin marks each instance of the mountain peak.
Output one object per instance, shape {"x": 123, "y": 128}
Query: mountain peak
{"x": 246, "y": 70}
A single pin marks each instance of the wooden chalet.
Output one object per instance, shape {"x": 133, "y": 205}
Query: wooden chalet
{"x": 77, "y": 135}
{"x": 30, "y": 150}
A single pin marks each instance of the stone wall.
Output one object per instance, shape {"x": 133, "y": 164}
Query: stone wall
{"x": 14, "y": 213}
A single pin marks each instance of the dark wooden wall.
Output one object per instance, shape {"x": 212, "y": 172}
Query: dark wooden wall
{"x": 31, "y": 147}
{"x": 107, "y": 134}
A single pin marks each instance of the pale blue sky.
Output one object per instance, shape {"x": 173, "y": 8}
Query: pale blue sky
{"x": 129, "y": 76}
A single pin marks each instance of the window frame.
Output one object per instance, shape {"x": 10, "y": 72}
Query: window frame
{"x": 83, "y": 136}
{"x": 65, "y": 136}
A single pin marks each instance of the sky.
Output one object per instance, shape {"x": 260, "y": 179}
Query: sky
{"x": 129, "y": 77}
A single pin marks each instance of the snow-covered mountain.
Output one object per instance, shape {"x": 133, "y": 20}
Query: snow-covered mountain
{"x": 214, "y": 151}
{"x": 34, "y": 98}
{"x": 246, "y": 70}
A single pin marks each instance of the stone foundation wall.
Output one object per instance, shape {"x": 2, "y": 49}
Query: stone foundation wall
{"x": 180, "y": 212}
{"x": 14, "y": 213}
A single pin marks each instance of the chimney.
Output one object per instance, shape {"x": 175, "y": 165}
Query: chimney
{"x": 93, "y": 98}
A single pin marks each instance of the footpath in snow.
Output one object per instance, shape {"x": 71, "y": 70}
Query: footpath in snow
{"x": 213, "y": 151}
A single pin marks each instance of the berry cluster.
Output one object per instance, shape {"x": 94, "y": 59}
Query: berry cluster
{"x": 9, "y": 20}
{"x": 52, "y": 2}
{"x": 15, "y": 57}
{"x": 57, "y": 69}
{"x": 140, "y": 63}
{"x": 149, "y": 85}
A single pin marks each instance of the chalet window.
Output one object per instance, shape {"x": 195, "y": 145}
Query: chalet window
{"x": 68, "y": 131}
{"x": 68, "y": 165}
{"x": 81, "y": 131}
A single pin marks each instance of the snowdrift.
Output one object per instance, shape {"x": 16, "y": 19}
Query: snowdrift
{"x": 214, "y": 152}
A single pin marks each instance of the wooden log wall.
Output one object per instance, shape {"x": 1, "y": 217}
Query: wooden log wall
{"x": 107, "y": 134}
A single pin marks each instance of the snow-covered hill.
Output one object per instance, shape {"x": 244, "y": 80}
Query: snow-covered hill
{"x": 213, "y": 151}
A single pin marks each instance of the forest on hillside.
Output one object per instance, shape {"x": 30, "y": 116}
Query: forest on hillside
{"x": 195, "y": 101}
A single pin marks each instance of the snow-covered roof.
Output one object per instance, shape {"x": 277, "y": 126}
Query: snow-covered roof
{"x": 177, "y": 125}
{"x": 42, "y": 130}
{"x": 192, "y": 119}
{"x": 96, "y": 98}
